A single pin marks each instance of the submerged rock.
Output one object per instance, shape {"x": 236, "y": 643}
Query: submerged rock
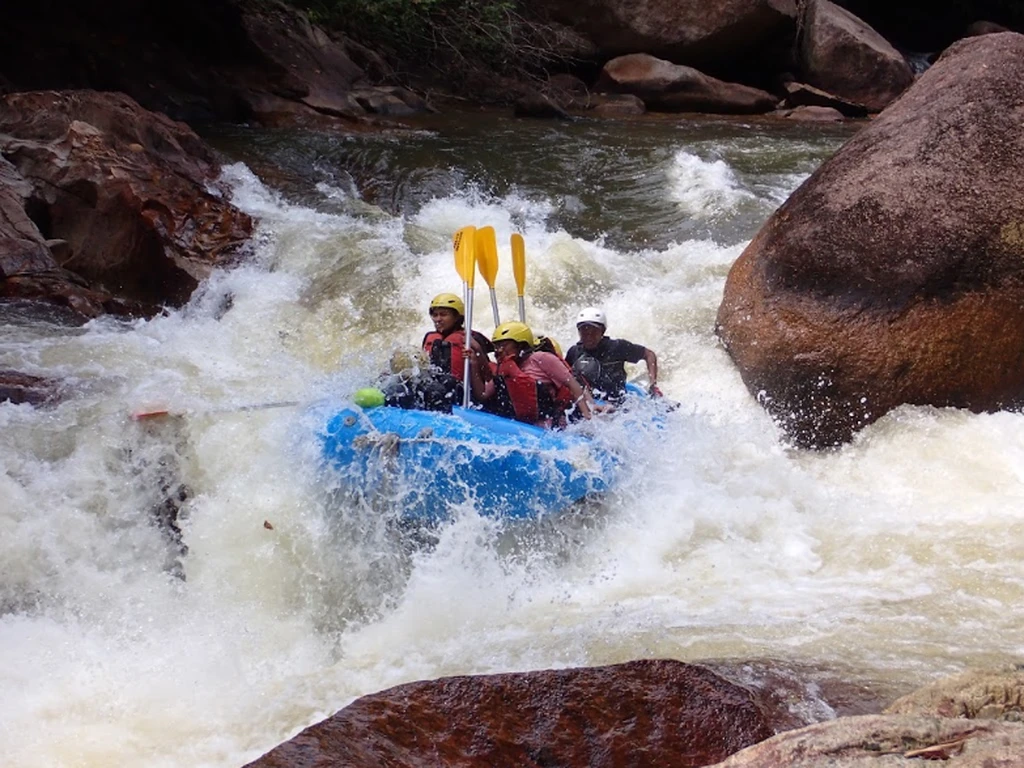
{"x": 16, "y": 387}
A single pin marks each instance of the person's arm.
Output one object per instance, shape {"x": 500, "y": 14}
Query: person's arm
{"x": 652, "y": 371}
{"x": 480, "y": 389}
{"x": 581, "y": 399}
{"x": 560, "y": 373}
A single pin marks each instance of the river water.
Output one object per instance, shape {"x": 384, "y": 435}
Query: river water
{"x": 893, "y": 561}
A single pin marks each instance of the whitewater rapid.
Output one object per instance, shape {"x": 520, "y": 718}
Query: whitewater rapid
{"x": 894, "y": 560}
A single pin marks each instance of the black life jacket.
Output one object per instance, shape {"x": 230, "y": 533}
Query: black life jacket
{"x": 607, "y": 382}
{"x": 446, "y": 352}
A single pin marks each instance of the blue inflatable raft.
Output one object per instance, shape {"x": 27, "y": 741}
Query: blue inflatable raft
{"x": 422, "y": 463}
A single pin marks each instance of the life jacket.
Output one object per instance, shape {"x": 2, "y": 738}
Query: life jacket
{"x": 446, "y": 352}
{"x": 521, "y": 397}
{"x": 606, "y": 382}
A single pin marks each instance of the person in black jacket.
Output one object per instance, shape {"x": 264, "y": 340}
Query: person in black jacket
{"x": 599, "y": 362}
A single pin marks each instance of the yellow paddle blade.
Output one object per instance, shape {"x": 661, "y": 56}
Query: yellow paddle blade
{"x": 464, "y": 249}
{"x": 487, "y": 254}
{"x": 519, "y": 262}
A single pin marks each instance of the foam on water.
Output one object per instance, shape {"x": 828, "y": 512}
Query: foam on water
{"x": 897, "y": 557}
{"x": 704, "y": 188}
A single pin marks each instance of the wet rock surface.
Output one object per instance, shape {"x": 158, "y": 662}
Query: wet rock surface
{"x": 18, "y": 388}
{"x": 121, "y": 209}
{"x": 643, "y": 713}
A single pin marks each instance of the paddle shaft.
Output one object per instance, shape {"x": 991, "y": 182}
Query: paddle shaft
{"x": 214, "y": 411}
{"x": 494, "y": 308}
{"x": 464, "y": 244}
{"x": 519, "y": 271}
{"x": 466, "y": 385}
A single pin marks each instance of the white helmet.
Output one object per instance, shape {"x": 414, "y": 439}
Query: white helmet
{"x": 594, "y": 315}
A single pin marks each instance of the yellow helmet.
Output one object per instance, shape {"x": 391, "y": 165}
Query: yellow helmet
{"x": 448, "y": 301}
{"x": 547, "y": 344}
{"x": 515, "y": 331}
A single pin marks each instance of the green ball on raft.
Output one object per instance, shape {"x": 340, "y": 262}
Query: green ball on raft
{"x": 368, "y": 397}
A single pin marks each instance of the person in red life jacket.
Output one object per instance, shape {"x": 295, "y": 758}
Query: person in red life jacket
{"x": 532, "y": 386}
{"x": 599, "y": 360}
{"x": 446, "y": 343}
{"x": 435, "y": 384}
{"x": 445, "y": 348}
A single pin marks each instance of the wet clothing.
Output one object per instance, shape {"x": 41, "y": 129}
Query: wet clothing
{"x": 427, "y": 391}
{"x": 533, "y": 390}
{"x": 603, "y": 369}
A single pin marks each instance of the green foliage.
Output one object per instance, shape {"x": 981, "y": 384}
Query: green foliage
{"x": 444, "y": 34}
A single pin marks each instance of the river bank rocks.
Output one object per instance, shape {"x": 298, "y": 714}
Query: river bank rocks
{"x": 199, "y": 60}
{"x": 845, "y": 57}
{"x": 266, "y": 61}
{"x": 895, "y": 273}
{"x": 107, "y": 207}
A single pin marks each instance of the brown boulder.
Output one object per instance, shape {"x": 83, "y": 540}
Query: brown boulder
{"x": 667, "y": 87}
{"x": 643, "y": 713}
{"x": 895, "y": 273}
{"x": 302, "y": 63}
{"x": 843, "y": 55}
{"x": 133, "y": 194}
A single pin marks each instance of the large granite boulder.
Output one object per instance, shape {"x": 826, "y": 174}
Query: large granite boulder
{"x": 841, "y": 54}
{"x": 643, "y": 713}
{"x": 125, "y": 199}
{"x": 895, "y": 273}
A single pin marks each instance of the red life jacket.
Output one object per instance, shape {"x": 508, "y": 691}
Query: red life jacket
{"x": 523, "y": 398}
